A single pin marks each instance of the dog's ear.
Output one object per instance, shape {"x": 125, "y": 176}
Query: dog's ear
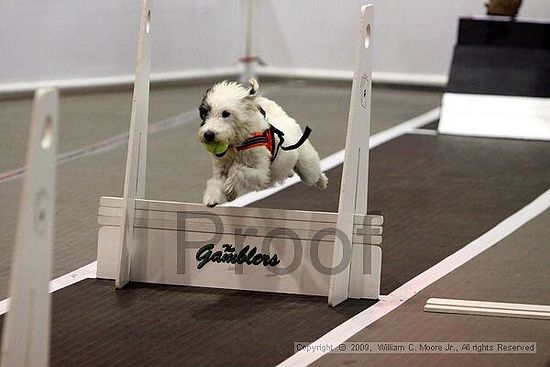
{"x": 204, "y": 108}
{"x": 253, "y": 87}
{"x": 253, "y": 91}
{"x": 205, "y": 96}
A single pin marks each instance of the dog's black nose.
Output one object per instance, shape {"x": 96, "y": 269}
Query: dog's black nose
{"x": 209, "y": 136}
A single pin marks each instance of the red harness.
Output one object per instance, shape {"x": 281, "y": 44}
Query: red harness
{"x": 266, "y": 138}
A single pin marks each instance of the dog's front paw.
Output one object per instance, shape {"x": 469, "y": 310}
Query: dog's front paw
{"x": 211, "y": 198}
{"x": 230, "y": 190}
{"x": 210, "y": 202}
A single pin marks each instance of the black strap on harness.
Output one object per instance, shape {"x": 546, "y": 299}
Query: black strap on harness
{"x": 281, "y": 135}
{"x": 264, "y": 139}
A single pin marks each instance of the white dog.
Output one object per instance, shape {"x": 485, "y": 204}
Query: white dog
{"x": 255, "y": 144}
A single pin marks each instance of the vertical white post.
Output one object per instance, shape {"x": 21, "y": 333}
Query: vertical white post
{"x": 134, "y": 183}
{"x": 354, "y": 187}
{"x": 248, "y": 60}
{"x": 26, "y": 334}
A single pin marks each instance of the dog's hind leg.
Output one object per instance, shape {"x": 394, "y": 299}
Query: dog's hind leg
{"x": 308, "y": 167}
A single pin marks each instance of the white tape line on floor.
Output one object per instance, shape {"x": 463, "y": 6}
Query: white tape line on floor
{"x": 118, "y": 140}
{"x": 107, "y": 144}
{"x": 395, "y": 299}
{"x": 85, "y": 272}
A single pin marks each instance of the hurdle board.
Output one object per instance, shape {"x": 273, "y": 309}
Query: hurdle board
{"x": 286, "y": 251}
{"x": 499, "y": 83}
{"x": 26, "y": 332}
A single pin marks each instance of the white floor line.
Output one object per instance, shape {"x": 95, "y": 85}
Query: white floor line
{"x": 327, "y": 163}
{"x": 423, "y": 132}
{"x": 395, "y": 299}
{"x": 108, "y": 144}
{"x": 337, "y": 158}
{"x": 85, "y": 272}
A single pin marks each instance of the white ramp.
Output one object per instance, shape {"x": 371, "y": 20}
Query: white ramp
{"x": 499, "y": 82}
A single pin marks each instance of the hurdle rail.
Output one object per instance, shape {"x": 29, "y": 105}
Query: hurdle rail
{"x": 287, "y": 251}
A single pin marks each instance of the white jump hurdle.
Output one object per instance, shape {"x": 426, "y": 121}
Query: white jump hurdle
{"x": 286, "y": 251}
{"x": 26, "y": 332}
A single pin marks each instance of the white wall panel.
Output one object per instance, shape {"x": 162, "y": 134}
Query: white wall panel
{"x": 71, "y": 39}
{"x": 43, "y": 40}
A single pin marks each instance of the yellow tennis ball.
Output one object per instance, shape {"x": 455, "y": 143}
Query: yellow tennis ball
{"x": 216, "y": 148}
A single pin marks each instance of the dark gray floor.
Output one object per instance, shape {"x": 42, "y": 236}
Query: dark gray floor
{"x": 177, "y": 165}
{"x": 438, "y": 193}
{"x": 514, "y": 270}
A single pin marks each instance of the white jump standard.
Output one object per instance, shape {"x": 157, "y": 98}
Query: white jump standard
{"x": 273, "y": 250}
{"x": 26, "y": 332}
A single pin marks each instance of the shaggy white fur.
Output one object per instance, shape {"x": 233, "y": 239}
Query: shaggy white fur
{"x": 230, "y": 114}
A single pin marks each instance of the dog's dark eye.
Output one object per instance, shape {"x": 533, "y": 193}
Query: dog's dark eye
{"x": 225, "y": 114}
